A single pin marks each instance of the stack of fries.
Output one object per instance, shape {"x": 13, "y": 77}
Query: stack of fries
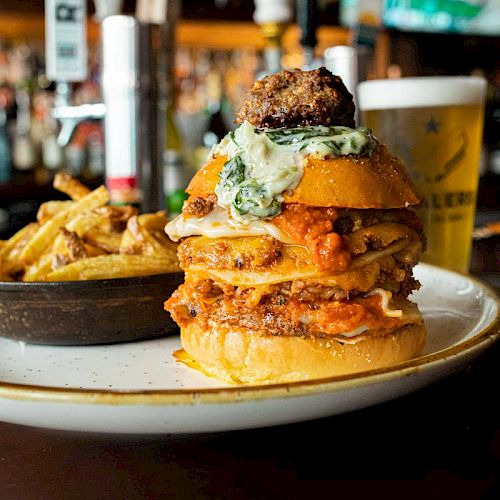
{"x": 86, "y": 239}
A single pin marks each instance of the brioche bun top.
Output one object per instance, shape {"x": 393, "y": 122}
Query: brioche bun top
{"x": 376, "y": 181}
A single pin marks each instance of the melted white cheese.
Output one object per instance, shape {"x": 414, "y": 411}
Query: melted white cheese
{"x": 305, "y": 319}
{"x": 355, "y": 331}
{"x": 217, "y": 224}
{"x": 386, "y": 296}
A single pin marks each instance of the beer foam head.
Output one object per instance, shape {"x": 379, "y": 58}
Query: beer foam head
{"x": 421, "y": 92}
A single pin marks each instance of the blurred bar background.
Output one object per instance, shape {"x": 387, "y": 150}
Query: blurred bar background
{"x": 220, "y": 48}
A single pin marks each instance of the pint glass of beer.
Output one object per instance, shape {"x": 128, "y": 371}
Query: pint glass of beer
{"x": 435, "y": 126}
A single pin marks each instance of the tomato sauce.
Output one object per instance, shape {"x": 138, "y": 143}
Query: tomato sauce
{"x": 313, "y": 228}
{"x": 198, "y": 302}
{"x": 332, "y": 317}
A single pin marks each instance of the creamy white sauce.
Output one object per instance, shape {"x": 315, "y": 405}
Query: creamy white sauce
{"x": 279, "y": 168}
{"x": 263, "y": 164}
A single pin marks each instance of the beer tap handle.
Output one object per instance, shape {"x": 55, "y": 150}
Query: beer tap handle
{"x": 307, "y": 19}
{"x": 71, "y": 116}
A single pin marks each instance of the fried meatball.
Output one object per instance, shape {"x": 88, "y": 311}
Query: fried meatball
{"x": 298, "y": 99}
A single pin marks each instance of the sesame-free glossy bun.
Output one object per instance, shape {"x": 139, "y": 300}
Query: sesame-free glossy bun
{"x": 376, "y": 181}
{"x": 237, "y": 355}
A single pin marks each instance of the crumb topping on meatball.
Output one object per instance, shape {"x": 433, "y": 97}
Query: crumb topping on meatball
{"x": 298, "y": 99}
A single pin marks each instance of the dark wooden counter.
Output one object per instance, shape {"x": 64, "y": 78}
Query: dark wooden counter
{"x": 446, "y": 435}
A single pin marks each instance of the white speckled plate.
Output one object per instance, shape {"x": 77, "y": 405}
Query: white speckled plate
{"x": 140, "y": 388}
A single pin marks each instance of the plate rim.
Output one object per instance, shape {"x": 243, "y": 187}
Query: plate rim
{"x": 239, "y": 393}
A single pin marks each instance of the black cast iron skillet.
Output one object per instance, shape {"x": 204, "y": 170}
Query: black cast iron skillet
{"x": 87, "y": 312}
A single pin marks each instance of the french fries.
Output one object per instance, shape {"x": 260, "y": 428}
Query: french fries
{"x": 40, "y": 269}
{"x": 70, "y": 186}
{"x": 46, "y": 233}
{"x": 85, "y": 239}
{"x": 143, "y": 236}
{"x": 4, "y": 276}
{"x": 11, "y": 248}
{"x": 111, "y": 266}
{"x": 48, "y": 209}
{"x": 102, "y": 227}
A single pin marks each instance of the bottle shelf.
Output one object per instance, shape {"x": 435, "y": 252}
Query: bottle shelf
{"x": 198, "y": 34}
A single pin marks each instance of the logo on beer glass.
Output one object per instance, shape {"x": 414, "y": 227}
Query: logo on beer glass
{"x": 456, "y": 138}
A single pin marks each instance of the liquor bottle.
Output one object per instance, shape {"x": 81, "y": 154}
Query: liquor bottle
{"x": 216, "y": 129}
{"x": 5, "y": 156}
{"x": 173, "y": 138}
{"x": 23, "y": 150}
{"x": 46, "y": 127}
{"x": 175, "y": 180}
{"x": 176, "y": 173}
{"x": 273, "y": 19}
{"x": 95, "y": 154}
{"x": 5, "y": 100}
{"x": 52, "y": 153}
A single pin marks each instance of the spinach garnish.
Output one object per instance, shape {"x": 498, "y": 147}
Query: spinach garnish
{"x": 232, "y": 134}
{"x": 232, "y": 174}
{"x": 290, "y": 136}
{"x": 255, "y": 199}
{"x": 248, "y": 197}
{"x": 299, "y": 137}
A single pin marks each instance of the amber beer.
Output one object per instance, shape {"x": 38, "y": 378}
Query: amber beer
{"x": 435, "y": 125}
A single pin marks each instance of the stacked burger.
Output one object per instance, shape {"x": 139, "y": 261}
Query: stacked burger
{"x": 298, "y": 243}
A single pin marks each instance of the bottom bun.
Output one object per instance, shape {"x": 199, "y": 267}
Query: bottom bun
{"x": 237, "y": 355}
